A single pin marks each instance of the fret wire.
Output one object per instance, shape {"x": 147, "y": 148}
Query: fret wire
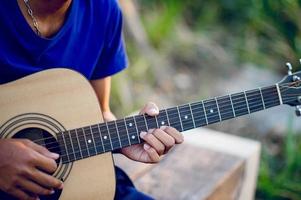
{"x": 255, "y": 100}
{"x": 105, "y": 136}
{"x": 266, "y": 92}
{"x": 92, "y": 136}
{"x": 190, "y": 127}
{"x": 198, "y": 112}
{"x": 180, "y": 118}
{"x": 232, "y": 106}
{"x": 145, "y": 122}
{"x": 241, "y": 104}
{"x": 167, "y": 117}
{"x": 138, "y": 134}
{"x": 271, "y": 92}
{"x": 211, "y": 111}
{"x": 205, "y": 112}
{"x": 112, "y": 133}
{"x": 185, "y": 116}
{"x": 227, "y": 113}
{"x": 240, "y": 98}
{"x": 279, "y": 94}
{"x": 231, "y": 110}
{"x": 202, "y": 118}
{"x": 84, "y": 133}
{"x": 224, "y": 106}
{"x": 128, "y": 134}
{"x": 69, "y": 134}
{"x": 118, "y": 133}
{"x": 78, "y": 143}
{"x": 103, "y": 146}
{"x": 109, "y": 135}
{"x": 192, "y": 115}
{"x": 269, "y": 99}
{"x": 157, "y": 121}
{"x": 247, "y": 102}
{"x": 67, "y": 153}
{"x": 218, "y": 111}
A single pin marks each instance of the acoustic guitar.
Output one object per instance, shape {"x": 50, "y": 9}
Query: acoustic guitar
{"x": 58, "y": 109}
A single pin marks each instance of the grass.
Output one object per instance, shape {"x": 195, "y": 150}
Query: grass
{"x": 280, "y": 173}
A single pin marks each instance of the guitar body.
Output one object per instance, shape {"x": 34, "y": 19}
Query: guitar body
{"x": 50, "y": 102}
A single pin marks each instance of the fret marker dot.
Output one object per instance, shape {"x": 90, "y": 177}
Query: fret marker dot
{"x": 211, "y": 111}
{"x": 133, "y": 137}
{"x": 163, "y": 122}
{"x": 130, "y": 124}
{"x": 89, "y": 141}
{"x": 186, "y": 117}
{"x": 105, "y": 137}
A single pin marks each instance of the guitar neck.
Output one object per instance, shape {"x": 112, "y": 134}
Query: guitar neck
{"x": 100, "y": 138}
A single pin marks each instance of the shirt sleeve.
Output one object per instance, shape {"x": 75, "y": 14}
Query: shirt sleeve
{"x": 113, "y": 57}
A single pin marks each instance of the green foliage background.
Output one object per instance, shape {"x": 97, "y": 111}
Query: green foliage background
{"x": 260, "y": 31}
{"x": 263, "y": 32}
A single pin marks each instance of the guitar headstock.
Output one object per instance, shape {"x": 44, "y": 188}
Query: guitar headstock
{"x": 290, "y": 89}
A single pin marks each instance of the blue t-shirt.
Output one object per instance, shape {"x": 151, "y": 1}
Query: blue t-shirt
{"x": 90, "y": 41}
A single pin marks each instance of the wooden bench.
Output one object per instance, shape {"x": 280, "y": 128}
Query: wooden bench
{"x": 209, "y": 165}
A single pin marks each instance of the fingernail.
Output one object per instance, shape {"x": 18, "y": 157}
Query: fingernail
{"x": 52, "y": 192}
{"x": 55, "y": 155}
{"x": 142, "y": 134}
{"x": 163, "y": 127}
{"x": 153, "y": 111}
{"x": 146, "y": 146}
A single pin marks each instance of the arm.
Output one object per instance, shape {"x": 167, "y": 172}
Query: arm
{"x": 102, "y": 88}
{"x": 157, "y": 141}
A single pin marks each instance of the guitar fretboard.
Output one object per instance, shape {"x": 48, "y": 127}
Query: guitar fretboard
{"x": 100, "y": 138}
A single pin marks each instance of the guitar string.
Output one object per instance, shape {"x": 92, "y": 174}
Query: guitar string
{"x": 89, "y": 148}
{"x": 125, "y": 136}
{"x": 223, "y": 105}
{"x": 208, "y": 101}
{"x": 102, "y": 146}
{"x": 254, "y": 90}
{"x": 92, "y": 147}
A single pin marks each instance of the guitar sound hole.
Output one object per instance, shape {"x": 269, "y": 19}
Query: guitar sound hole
{"x": 43, "y": 138}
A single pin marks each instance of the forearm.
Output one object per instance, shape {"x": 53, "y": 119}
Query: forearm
{"x": 102, "y": 88}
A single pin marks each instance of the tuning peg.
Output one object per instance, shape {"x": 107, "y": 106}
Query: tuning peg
{"x": 298, "y": 111}
{"x": 290, "y": 68}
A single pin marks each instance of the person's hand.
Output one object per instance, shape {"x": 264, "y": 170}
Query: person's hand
{"x": 23, "y": 169}
{"x": 157, "y": 141}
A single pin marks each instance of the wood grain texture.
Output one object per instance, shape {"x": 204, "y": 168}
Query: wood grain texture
{"x": 188, "y": 172}
{"x": 69, "y": 98}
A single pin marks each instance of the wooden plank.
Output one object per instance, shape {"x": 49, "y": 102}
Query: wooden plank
{"x": 209, "y": 165}
{"x": 230, "y": 186}
{"x": 188, "y": 172}
{"x": 246, "y": 149}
